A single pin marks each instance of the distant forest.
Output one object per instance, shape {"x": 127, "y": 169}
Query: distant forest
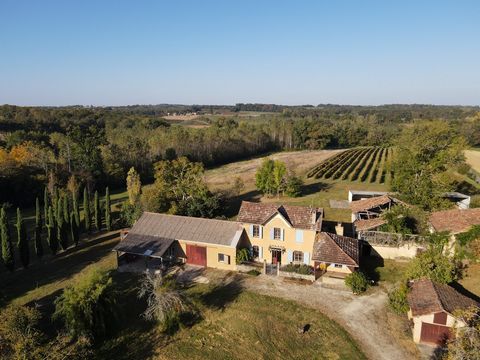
{"x": 100, "y": 144}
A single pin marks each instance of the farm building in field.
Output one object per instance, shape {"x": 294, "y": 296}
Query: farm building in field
{"x": 157, "y": 238}
{"x": 432, "y": 311}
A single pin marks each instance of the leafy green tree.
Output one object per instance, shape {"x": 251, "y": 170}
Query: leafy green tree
{"x": 86, "y": 211}
{"x": 7, "y": 248}
{"x": 170, "y": 154}
{"x": 423, "y": 156}
{"x": 108, "y": 210}
{"x": 51, "y": 235}
{"x": 74, "y": 230}
{"x": 96, "y": 212}
{"x": 357, "y": 282}
{"x": 397, "y": 298}
{"x": 38, "y": 229}
{"x": 88, "y": 307}
{"x": 466, "y": 343}
{"x": 22, "y": 240}
{"x": 279, "y": 172}
{"x": 134, "y": 186}
{"x": 293, "y": 187}
{"x": 271, "y": 177}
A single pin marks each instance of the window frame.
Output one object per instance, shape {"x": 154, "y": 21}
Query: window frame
{"x": 275, "y": 229}
{"x": 297, "y": 253}
{"x": 338, "y": 266}
{"x": 224, "y": 260}
{"x": 256, "y": 228}
{"x": 255, "y": 253}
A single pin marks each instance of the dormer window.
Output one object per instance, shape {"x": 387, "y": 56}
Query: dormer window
{"x": 277, "y": 233}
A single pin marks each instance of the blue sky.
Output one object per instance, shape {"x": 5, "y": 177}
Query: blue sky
{"x": 224, "y": 52}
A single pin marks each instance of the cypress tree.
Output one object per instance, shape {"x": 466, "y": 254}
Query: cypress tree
{"x": 22, "y": 240}
{"x": 7, "y": 248}
{"x": 66, "y": 212}
{"x": 62, "y": 234}
{"x": 74, "y": 229}
{"x": 76, "y": 212}
{"x": 55, "y": 203}
{"x": 96, "y": 211}
{"x": 108, "y": 220}
{"x": 38, "y": 230}
{"x": 45, "y": 206}
{"x": 86, "y": 211}
{"x": 51, "y": 237}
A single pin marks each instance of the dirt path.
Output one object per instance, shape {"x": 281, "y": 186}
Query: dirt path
{"x": 364, "y": 317}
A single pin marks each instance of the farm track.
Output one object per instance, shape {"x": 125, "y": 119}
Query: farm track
{"x": 368, "y": 165}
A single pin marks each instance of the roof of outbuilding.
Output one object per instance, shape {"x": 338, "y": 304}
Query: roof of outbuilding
{"x": 426, "y": 297}
{"x": 332, "y": 248}
{"x": 300, "y": 217}
{"x": 367, "y": 224}
{"x": 160, "y": 228}
{"x": 455, "y": 220}
{"x": 371, "y": 203}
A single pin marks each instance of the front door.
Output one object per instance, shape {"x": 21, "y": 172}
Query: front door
{"x": 276, "y": 256}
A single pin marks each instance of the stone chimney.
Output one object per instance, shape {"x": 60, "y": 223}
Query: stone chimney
{"x": 314, "y": 216}
{"x": 339, "y": 229}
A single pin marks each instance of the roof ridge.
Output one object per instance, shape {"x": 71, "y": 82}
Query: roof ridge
{"x": 332, "y": 239}
{"x": 194, "y": 217}
{"x": 435, "y": 289}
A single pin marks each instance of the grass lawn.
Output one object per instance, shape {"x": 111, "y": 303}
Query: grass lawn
{"x": 385, "y": 271}
{"x": 471, "y": 279}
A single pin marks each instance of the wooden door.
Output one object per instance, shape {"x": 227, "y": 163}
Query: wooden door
{"x": 276, "y": 257}
{"x": 196, "y": 255}
{"x": 435, "y": 334}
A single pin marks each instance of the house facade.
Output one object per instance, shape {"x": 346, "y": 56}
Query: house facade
{"x": 280, "y": 234}
{"x": 432, "y": 311}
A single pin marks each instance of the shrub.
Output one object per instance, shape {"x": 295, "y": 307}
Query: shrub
{"x": 357, "y": 282}
{"x": 293, "y": 187}
{"x": 88, "y": 308}
{"x": 243, "y": 255}
{"x": 19, "y": 336}
{"x": 253, "y": 272}
{"x": 302, "y": 269}
{"x": 397, "y": 299}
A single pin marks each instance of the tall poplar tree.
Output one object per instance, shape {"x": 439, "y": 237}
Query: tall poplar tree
{"x": 76, "y": 211}
{"x": 22, "y": 240}
{"x": 7, "y": 248}
{"x": 108, "y": 209}
{"x": 51, "y": 236}
{"x": 45, "y": 205}
{"x": 62, "y": 234}
{"x": 38, "y": 229}
{"x": 86, "y": 211}
{"x": 96, "y": 211}
{"x": 66, "y": 210}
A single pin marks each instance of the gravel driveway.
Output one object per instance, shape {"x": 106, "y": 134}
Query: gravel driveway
{"x": 364, "y": 317}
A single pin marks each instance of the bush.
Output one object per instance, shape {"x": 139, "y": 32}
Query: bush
{"x": 129, "y": 214}
{"x": 357, "y": 282}
{"x": 302, "y": 269}
{"x": 243, "y": 255}
{"x": 253, "y": 272}
{"x": 397, "y": 299}
{"x": 88, "y": 308}
{"x": 19, "y": 336}
{"x": 293, "y": 187}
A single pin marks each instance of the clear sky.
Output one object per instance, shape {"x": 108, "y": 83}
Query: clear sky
{"x": 223, "y": 52}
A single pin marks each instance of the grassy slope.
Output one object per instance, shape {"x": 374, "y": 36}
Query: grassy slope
{"x": 473, "y": 159}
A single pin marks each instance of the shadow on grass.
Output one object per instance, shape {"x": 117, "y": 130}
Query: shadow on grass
{"x": 54, "y": 268}
{"x": 223, "y": 293}
{"x": 465, "y": 292}
{"x": 370, "y": 265}
{"x": 315, "y": 188}
{"x": 232, "y": 205}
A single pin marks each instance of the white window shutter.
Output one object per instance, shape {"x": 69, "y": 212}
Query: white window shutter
{"x": 283, "y": 234}
{"x": 290, "y": 256}
{"x": 271, "y": 234}
{"x": 251, "y": 230}
{"x": 299, "y": 236}
{"x": 260, "y": 252}
{"x": 306, "y": 258}
{"x": 261, "y": 231}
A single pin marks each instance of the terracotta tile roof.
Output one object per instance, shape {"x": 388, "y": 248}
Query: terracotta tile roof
{"x": 153, "y": 227}
{"x": 332, "y": 248}
{"x": 367, "y": 224}
{"x": 301, "y": 217}
{"x": 371, "y": 203}
{"x": 455, "y": 220}
{"x": 426, "y": 297}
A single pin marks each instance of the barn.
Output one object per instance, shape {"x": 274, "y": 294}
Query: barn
{"x": 432, "y": 309}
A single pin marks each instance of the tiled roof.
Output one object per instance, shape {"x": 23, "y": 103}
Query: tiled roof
{"x": 301, "y": 217}
{"x": 367, "y": 224}
{"x": 144, "y": 245}
{"x": 152, "y": 226}
{"x": 371, "y": 203}
{"x": 426, "y": 297}
{"x": 456, "y": 220}
{"x": 332, "y": 248}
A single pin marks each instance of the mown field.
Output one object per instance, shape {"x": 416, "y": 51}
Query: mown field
{"x": 366, "y": 165}
{"x": 473, "y": 159}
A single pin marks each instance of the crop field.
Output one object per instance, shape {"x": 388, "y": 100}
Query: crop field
{"x": 366, "y": 165}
